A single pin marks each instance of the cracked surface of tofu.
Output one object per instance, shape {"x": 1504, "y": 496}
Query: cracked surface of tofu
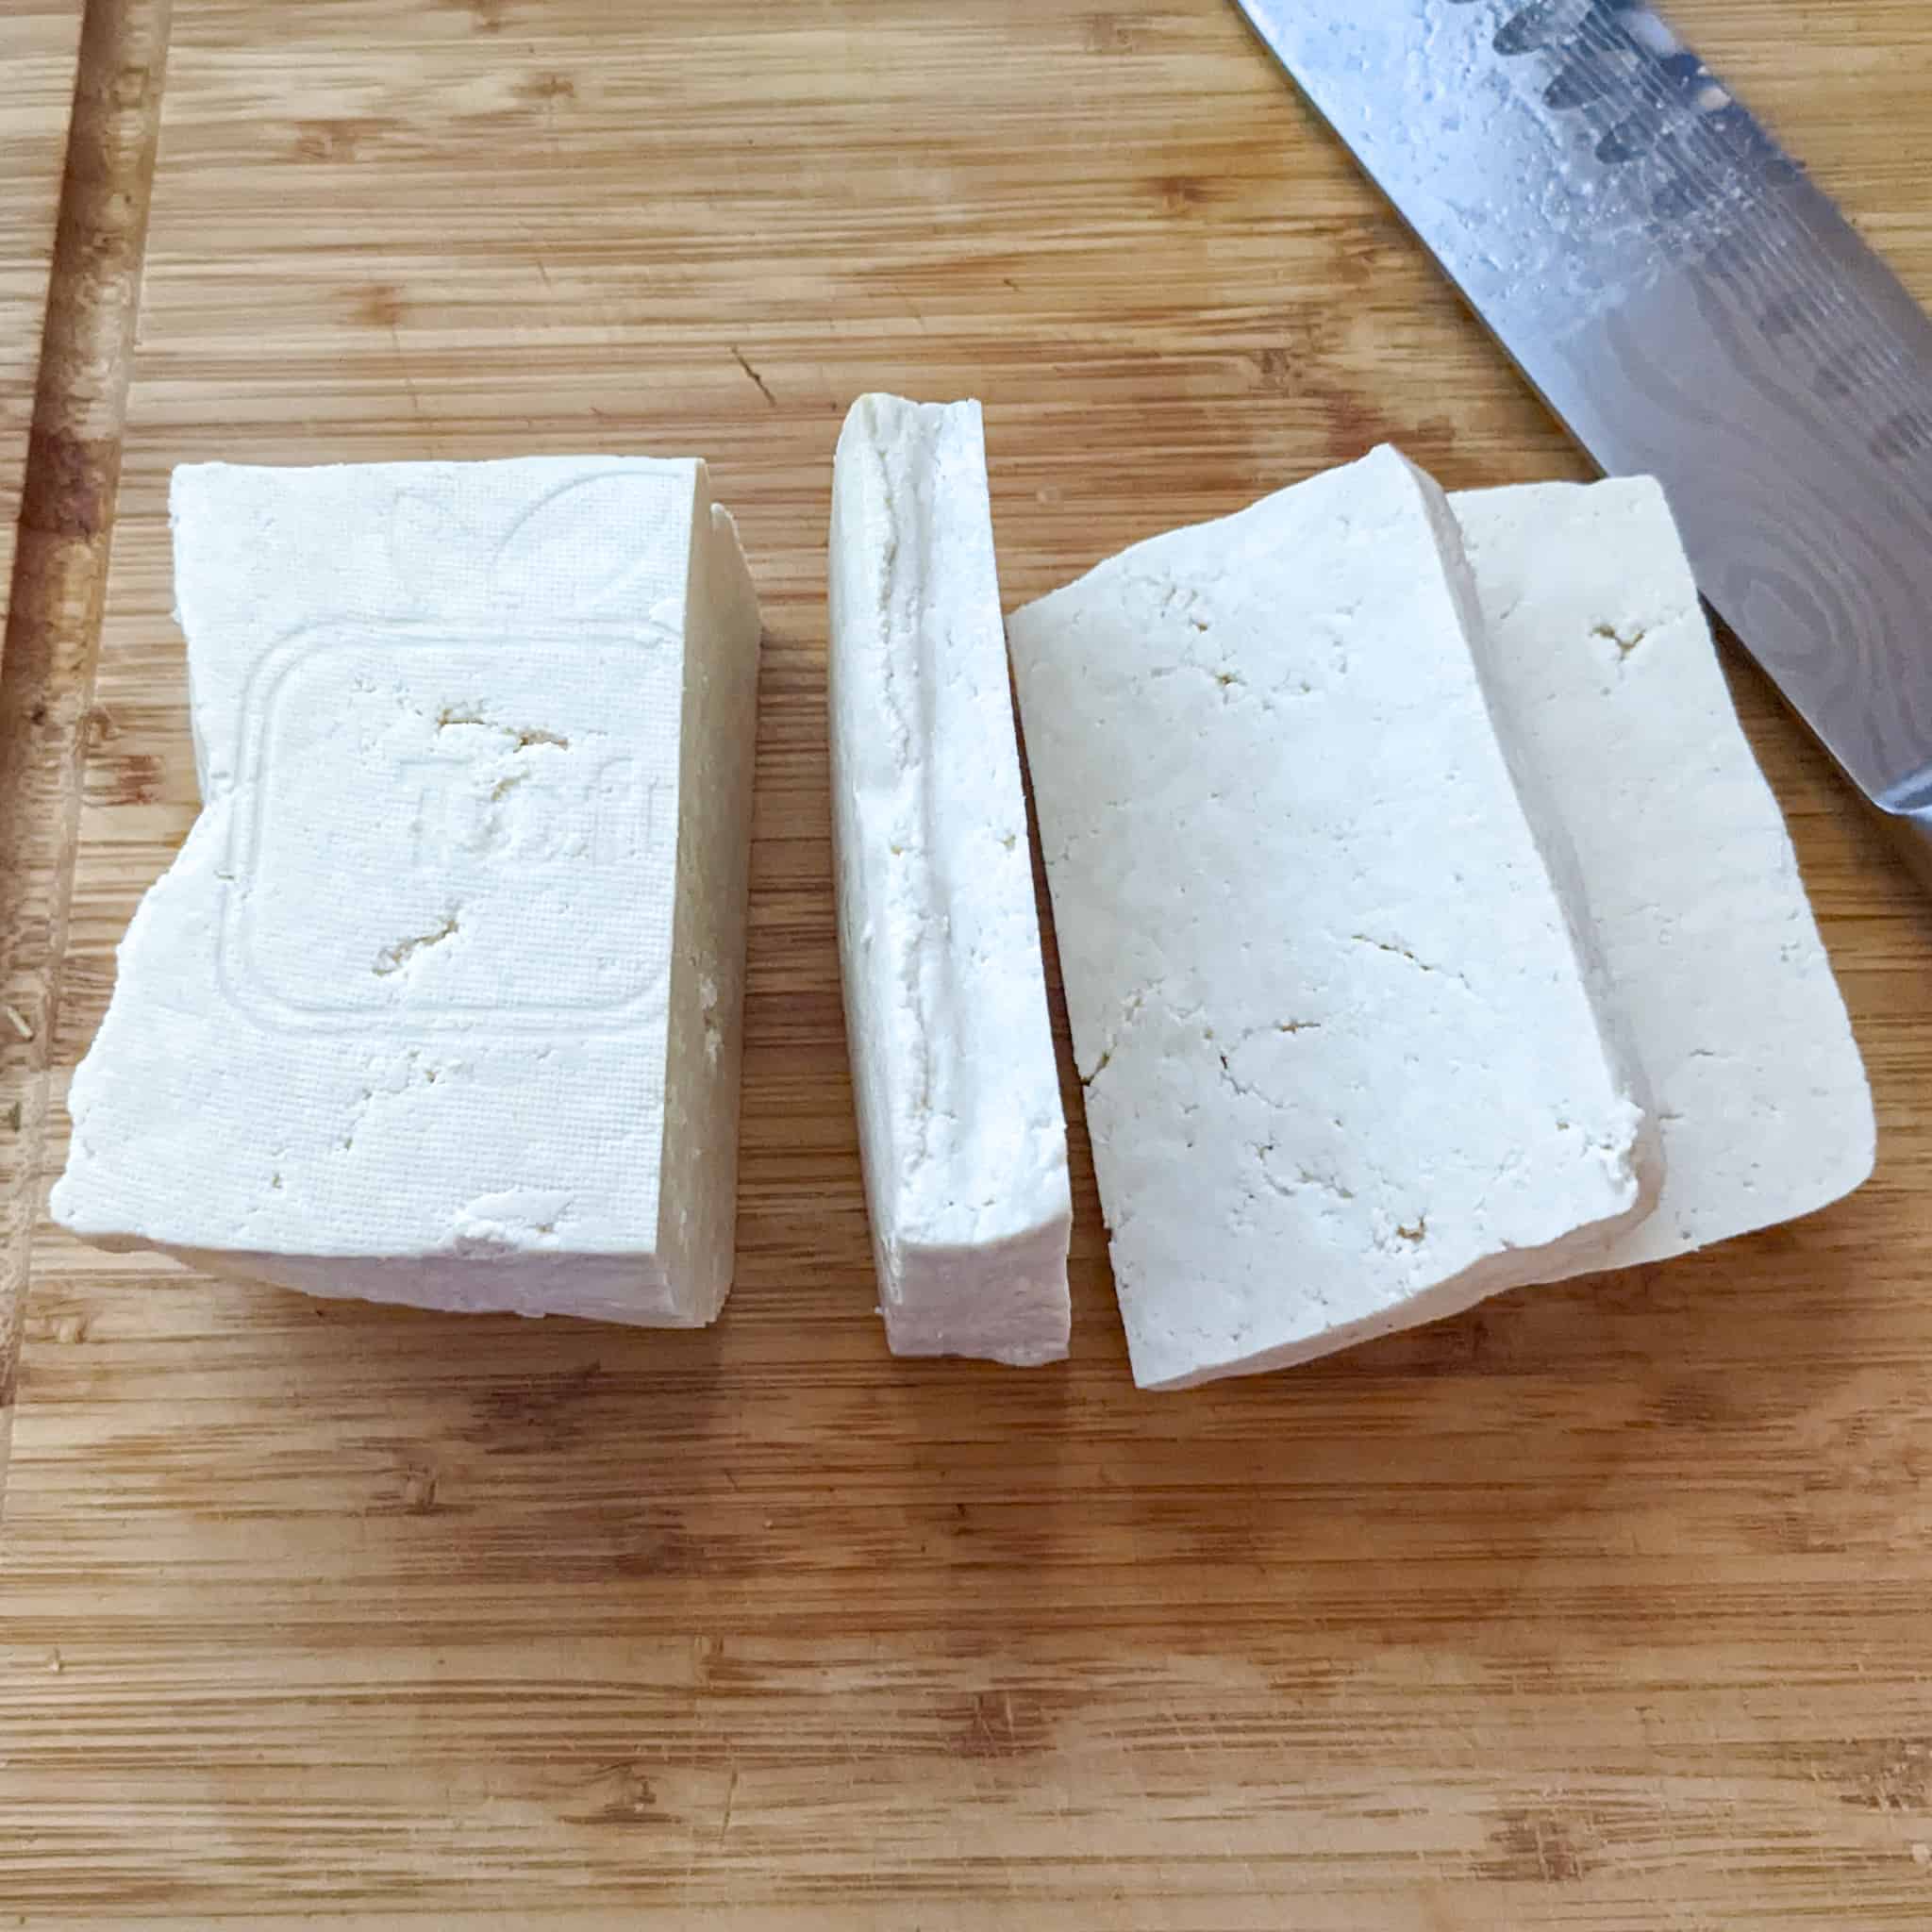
{"x": 1344, "y": 1068}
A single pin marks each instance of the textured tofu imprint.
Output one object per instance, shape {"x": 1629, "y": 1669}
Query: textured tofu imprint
{"x": 960, "y": 1129}
{"x": 1602, "y": 666}
{"x": 441, "y": 1001}
{"x": 1345, "y": 1069}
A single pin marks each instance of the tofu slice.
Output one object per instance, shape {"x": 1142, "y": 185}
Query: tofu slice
{"x": 1603, "y": 668}
{"x": 1345, "y": 1061}
{"x": 962, "y": 1133}
{"x": 439, "y": 1002}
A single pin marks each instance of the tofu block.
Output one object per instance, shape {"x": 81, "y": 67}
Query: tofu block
{"x": 961, "y": 1134}
{"x": 1602, "y": 666}
{"x": 1346, "y": 1063}
{"x": 439, "y": 1002}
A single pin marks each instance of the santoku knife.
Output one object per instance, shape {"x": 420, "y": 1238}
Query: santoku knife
{"x": 1691, "y": 306}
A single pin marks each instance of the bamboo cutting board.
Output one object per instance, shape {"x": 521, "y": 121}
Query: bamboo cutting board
{"x": 1608, "y": 1606}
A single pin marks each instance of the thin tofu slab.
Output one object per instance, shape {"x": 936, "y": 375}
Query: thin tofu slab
{"x": 960, "y": 1129}
{"x": 1604, "y": 669}
{"x": 1345, "y": 1070}
{"x": 439, "y": 1002}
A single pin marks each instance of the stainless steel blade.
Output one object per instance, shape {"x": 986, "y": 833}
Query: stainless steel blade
{"x": 1691, "y": 306}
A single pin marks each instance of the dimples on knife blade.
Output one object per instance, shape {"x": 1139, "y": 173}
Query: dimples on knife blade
{"x": 1688, "y": 303}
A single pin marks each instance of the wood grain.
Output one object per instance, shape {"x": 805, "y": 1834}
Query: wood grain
{"x": 39, "y": 47}
{"x": 1603, "y": 1607}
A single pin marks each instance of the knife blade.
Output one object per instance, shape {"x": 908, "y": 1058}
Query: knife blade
{"x": 1691, "y": 306}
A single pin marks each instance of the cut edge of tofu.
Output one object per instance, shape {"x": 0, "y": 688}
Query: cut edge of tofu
{"x": 1015, "y": 1279}
{"x": 1020, "y": 1313}
{"x": 698, "y": 1193}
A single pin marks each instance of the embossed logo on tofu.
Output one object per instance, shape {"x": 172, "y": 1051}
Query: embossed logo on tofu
{"x": 594, "y": 811}
{"x": 435, "y": 831}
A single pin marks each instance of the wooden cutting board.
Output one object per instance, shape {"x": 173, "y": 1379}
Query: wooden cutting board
{"x": 1608, "y": 1606}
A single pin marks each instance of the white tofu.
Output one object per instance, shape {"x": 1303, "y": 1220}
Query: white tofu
{"x": 439, "y": 1002}
{"x": 960, "y": 1130}
{"x": 1345, "y": 1070}
{"x": 1602, "y": 666}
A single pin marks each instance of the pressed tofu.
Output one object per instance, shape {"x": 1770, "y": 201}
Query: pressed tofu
{"x": 961, "y": 1134}
{"x": 1603, "y": 668}
{"x": 1345, "y": 1070}
{"x": 439, "y": 1002}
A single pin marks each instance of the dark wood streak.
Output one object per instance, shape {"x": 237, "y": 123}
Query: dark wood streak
{"x": 53, "y": 623}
